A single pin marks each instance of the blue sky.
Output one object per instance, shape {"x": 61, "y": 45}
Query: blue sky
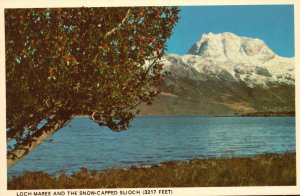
{"x": 272, "y": 23}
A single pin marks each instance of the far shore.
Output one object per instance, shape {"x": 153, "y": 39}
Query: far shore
{"x": 267, "y": 114}
{"x": 253, "y": 114}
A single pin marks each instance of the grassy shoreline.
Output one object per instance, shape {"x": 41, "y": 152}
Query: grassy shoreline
{"x": 261, "y": 170}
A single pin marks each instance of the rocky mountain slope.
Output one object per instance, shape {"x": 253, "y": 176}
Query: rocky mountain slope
{"x": 224, "y": 74}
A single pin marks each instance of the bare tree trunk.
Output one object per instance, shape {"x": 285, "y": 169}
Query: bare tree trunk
{"x": 36, "y": 139}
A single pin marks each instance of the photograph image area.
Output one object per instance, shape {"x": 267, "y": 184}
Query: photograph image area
{"x": 150, "y": 96}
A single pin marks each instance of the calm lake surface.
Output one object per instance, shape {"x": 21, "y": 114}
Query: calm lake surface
{"x": 153, "y": 140}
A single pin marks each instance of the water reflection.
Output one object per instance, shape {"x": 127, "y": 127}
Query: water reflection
{"x": 156, "y": 139}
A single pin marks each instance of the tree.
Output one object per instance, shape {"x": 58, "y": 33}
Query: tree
{"x": 64, "y": 62}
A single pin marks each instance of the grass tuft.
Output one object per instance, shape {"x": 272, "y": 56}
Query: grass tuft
{"x": 262, "y": 170}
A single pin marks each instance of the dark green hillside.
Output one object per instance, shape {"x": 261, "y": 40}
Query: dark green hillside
{"x": 183, "y": 96}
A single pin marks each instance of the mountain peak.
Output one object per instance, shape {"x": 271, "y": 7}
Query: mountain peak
{"x": 224, "y": 34}
{"x": 229, "y": 47}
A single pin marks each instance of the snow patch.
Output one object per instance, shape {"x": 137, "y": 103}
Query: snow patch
{"x": 246, "y": 59}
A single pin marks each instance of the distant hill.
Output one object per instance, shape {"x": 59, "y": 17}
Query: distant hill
{"x": 224, "y": 74}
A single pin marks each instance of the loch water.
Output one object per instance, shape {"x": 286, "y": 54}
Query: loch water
{"x": 156, "y": 139}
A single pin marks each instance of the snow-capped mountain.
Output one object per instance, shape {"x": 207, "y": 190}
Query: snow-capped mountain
{"x": 225, "y": 74}
{"x": 246, "y": 59}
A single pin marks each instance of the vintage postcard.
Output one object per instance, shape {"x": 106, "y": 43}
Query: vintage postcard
{"x": 154, "y": 98}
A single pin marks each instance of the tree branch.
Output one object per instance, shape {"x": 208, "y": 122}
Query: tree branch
{"x": 36, "y": 139}
{"x": 119, "y": 25}
{"x": 39, "y": 115}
